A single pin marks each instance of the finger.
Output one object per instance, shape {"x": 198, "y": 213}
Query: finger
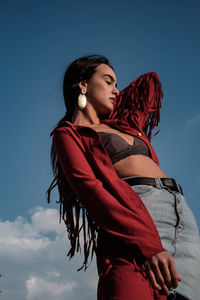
{"x": 159, "y": 277}
{"x": 175, "y": 278}
{"x": 152, "y": 278}
{"x": 166, "y": 274}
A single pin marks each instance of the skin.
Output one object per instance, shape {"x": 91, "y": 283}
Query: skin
{"x": 101, "y": 94}
{"x": 100, "y": 89}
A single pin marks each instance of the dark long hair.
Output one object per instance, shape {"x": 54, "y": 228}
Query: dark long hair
{"x": 70, "y": 208}
{"x": 134, "y": 97}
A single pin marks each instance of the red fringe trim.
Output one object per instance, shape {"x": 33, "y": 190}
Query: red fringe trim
{"x": 139, "y": 104}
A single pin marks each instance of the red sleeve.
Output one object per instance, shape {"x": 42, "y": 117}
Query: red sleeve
{"x": 106, "y": 210}
{"x": 140, "y": 100}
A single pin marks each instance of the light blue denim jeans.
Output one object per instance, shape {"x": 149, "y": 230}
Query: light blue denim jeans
{"x": 178, "y": 231}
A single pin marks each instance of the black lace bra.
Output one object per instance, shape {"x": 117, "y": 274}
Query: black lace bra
{"x": 118, "y": 148}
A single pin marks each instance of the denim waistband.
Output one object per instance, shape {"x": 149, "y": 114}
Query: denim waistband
{"x": 159, "y": 182}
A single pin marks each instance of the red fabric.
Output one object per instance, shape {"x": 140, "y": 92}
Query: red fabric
{"x": 123, "y": 280}
{"x": 141, "y": 98}
{"x": 129, "y": 232}
{"x": 110, "y": 201}
{"x": 121, "y": 272}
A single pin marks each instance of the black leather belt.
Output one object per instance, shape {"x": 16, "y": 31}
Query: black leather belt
{"x": 166, "y": 182}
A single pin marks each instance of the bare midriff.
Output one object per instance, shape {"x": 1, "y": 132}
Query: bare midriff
{"x": 133, "y": 165}
{"x": 138, "y": 165}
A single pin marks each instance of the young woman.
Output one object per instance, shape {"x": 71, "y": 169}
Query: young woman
{"x": 112, "y": 188}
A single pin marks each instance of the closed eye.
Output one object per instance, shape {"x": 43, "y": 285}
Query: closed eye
{"x": 111, "y": 78}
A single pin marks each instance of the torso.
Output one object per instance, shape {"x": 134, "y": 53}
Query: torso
{"x": 134, "y": 165}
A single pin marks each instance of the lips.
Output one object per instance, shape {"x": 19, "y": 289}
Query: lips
{"x": 113, "y": 100}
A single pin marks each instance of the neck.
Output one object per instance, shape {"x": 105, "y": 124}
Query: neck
{"x": 87, "y": 117}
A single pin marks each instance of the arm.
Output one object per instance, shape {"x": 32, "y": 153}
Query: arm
{"x": 116, "y": 219}
{"x": 132, "y": 227}
{"x": 140, "y": 99}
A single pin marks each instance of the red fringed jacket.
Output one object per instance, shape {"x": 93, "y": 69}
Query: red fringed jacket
{"x": 111, "y": 202}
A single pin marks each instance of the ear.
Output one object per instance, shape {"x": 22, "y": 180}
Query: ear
{"x": 83, "y": 84}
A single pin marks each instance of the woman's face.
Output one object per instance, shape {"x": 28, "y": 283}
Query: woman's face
{"x": 101, "y": 89}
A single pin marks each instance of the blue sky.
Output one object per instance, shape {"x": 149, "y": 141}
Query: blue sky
{"x": 39, "y": 39}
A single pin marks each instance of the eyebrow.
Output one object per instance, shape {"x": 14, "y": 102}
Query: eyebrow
{"x": 111, "y": 78}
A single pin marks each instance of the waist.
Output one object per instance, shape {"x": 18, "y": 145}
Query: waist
{"x": 167, "y": 183}
{"x": 138, "y": 165}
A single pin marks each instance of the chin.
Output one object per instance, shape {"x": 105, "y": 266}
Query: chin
{"x": 108, "y": 111}
{"x": 105, "y": 110}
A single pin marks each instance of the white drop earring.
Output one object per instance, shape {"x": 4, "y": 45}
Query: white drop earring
{"x": 82, "y": 100}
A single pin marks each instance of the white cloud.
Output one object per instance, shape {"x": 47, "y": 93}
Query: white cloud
{"x": 23, "y": 236}
{"x": 39, "y": 288}
{"x": 33, "y": 260}
{"x": 46, "y": 220}
{"x": 193, "y": 120}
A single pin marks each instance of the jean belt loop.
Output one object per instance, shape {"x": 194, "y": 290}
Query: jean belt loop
{"x": 178, "y": 187}
{"x": 159, "y": 184}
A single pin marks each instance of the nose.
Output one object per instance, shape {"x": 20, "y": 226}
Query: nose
{"x": 115, "y": 91}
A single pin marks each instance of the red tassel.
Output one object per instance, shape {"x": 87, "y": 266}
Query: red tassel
{"x": 139, "y": 104}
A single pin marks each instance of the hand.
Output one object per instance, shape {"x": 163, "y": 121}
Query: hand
{"x": 162, "y": 271}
